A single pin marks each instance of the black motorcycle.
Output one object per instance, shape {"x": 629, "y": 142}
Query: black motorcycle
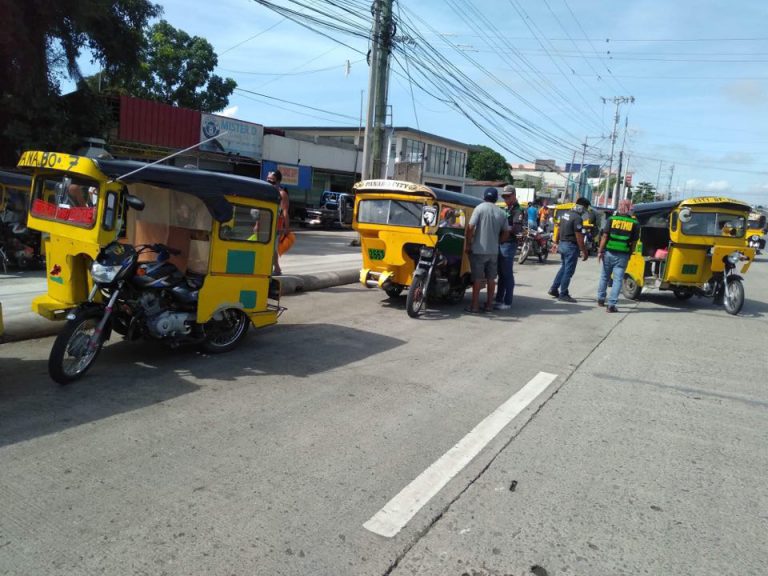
{"x": 437, "y": 275}
{"x": 151, "y": 300}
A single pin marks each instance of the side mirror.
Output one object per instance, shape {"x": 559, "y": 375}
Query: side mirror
{"x": 134, "y": 202}
{"x": 685, "y": 215}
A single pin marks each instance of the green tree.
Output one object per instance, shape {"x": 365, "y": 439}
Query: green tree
{"x": 484, "y": 163}
{"x": 177, "y": 68}
{"x": 644, "y": 192}
{"x": 42, "y": 41}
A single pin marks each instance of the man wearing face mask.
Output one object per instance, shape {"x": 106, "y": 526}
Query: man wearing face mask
{"x": 571, "y": 243}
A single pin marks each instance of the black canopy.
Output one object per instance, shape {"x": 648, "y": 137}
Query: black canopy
{"x": 15, "y": 179}
{"x": 210, "y": 187}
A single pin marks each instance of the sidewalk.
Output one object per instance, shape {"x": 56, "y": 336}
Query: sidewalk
{"x": 319, "y": 259}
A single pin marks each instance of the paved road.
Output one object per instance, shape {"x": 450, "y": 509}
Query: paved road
{"x": 646, "y": 454}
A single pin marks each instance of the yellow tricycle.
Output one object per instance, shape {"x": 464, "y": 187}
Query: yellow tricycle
{"x": 150, "y": 251}
{"x": 412, "y": 237}
{"x": 756, "y": 228}
{"x": 691, "y": 247}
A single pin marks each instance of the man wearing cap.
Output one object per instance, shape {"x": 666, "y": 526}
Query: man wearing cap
{"x": 508, "y": 248}
{"x": 620, "y": 234}
{"x": 487, "y": 227}
{"x": 571, "y": 242}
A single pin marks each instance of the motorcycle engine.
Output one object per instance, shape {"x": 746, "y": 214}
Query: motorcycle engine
{"x": 162, "y": 322}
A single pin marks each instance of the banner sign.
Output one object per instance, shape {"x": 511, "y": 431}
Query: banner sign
{"x": 241, "y": 138}
{"x": 293, "y": 175}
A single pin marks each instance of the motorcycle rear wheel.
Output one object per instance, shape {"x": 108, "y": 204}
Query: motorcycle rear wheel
{"x": 223, "y": 335}
{"x": 416, "y": 296}
{"x": 72, "y": 354}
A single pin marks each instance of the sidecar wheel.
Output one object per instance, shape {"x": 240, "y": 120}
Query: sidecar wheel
{"x": 225, "y": 334}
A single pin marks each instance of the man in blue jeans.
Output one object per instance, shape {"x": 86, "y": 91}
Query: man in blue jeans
{"x": 570, "y": 243}
{"x": 508, "y": 249}
{"x": 619, "y": 236}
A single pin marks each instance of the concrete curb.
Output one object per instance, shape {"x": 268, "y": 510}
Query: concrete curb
{"x": 29, "y": 326}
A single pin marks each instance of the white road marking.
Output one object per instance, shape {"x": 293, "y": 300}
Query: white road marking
{"x": 398, "y": 512}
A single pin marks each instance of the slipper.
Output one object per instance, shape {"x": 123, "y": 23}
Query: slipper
{"x": 469, "y": 310}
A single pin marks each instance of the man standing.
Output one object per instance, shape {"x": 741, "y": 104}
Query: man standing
{"x": 571, "y": 242}
{"x": 283, "y": 218}
{"x": 487, "y": 227}
{"x": 508, "y": 249}
{"x": 533, "y": 214}
{"x": 619, "y": 235}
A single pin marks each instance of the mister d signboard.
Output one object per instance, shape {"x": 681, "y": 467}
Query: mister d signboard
{"x": 231, "y": 136}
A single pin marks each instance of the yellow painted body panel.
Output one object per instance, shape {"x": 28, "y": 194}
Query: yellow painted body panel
{"x": 383, "y": 246}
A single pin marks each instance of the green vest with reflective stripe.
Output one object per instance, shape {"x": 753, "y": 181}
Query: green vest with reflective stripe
{"x": 620, "y": 233}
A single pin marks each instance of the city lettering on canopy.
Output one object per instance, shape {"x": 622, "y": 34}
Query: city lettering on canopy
{"x": 390, "y": 185}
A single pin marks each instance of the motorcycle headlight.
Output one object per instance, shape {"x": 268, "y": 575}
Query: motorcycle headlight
{"x": 755, "y": 238}
{"x": 104, "y": 274}
{"x": 427, "y": 252}
{"x": 733, "y": 257}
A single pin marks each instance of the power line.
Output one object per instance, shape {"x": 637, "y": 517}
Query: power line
{"x": 296, "y": 104}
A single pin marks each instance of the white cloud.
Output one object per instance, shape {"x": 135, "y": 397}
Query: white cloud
{"x": 746, "y": 92}
{"x": 718, "y": 186}
{"x": 699, "y": 186}
{"x": 230, "y": 112}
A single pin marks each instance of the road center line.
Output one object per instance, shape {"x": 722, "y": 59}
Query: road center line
{"x": 398, "y": 512}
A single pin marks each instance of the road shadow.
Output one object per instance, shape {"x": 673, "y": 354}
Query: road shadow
{"x": 523, "y": 306}
{"x": 131, "y": 375}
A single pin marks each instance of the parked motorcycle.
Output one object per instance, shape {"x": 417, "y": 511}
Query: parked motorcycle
{"x": 151, "y": 300}
{"x": 536, "y": 242}
{"x": 19, "y": 246}
{"x": 438, "y": 274}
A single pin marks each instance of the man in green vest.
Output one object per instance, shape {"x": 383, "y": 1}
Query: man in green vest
{"x": 620, "y": 233}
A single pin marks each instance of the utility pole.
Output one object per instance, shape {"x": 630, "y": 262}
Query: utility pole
{"x": 658, "y": 178}
{"x": 378, "y": 84}
{"x": 669, "y": 184}
{"x": 616, "y": 100}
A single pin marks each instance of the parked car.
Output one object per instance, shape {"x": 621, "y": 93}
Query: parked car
{"x": 335, "y": 209}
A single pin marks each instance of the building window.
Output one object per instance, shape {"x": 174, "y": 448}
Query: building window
{"x": 456, "y": 161}
{"x": 413, "y": 150}
{"x": 436, "y": 159}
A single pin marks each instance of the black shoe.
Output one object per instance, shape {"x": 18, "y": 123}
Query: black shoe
{"x": 566, "y": 298}
{"x": 600, "y": 302}
{"x": 611, "y": 309}
{"x": 554, "y": 293}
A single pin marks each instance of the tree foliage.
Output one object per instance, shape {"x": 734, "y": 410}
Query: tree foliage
{"x": 644, "y": 192}
{"x": 177, "y": 68}
{"x": 41, "y": 42}
{"x": 484, "y": 163}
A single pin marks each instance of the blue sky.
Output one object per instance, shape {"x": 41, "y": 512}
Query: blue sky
{"x": 697, "y": 72}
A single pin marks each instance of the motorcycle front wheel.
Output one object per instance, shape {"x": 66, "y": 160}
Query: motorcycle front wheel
{"x": 73, "y": 352}
{"x": 224, "y": 334}
{"x": 735, "y": 298}
{"x": 524, "y": 251}
{"x": 416, "y": 296}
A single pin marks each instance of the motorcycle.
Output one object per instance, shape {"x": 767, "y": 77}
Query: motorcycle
{"x": 537, "y": 242}
{"x": 437, "y": 275}
{"x": 150, "y": 300}
{"x": 19, "y": 246}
